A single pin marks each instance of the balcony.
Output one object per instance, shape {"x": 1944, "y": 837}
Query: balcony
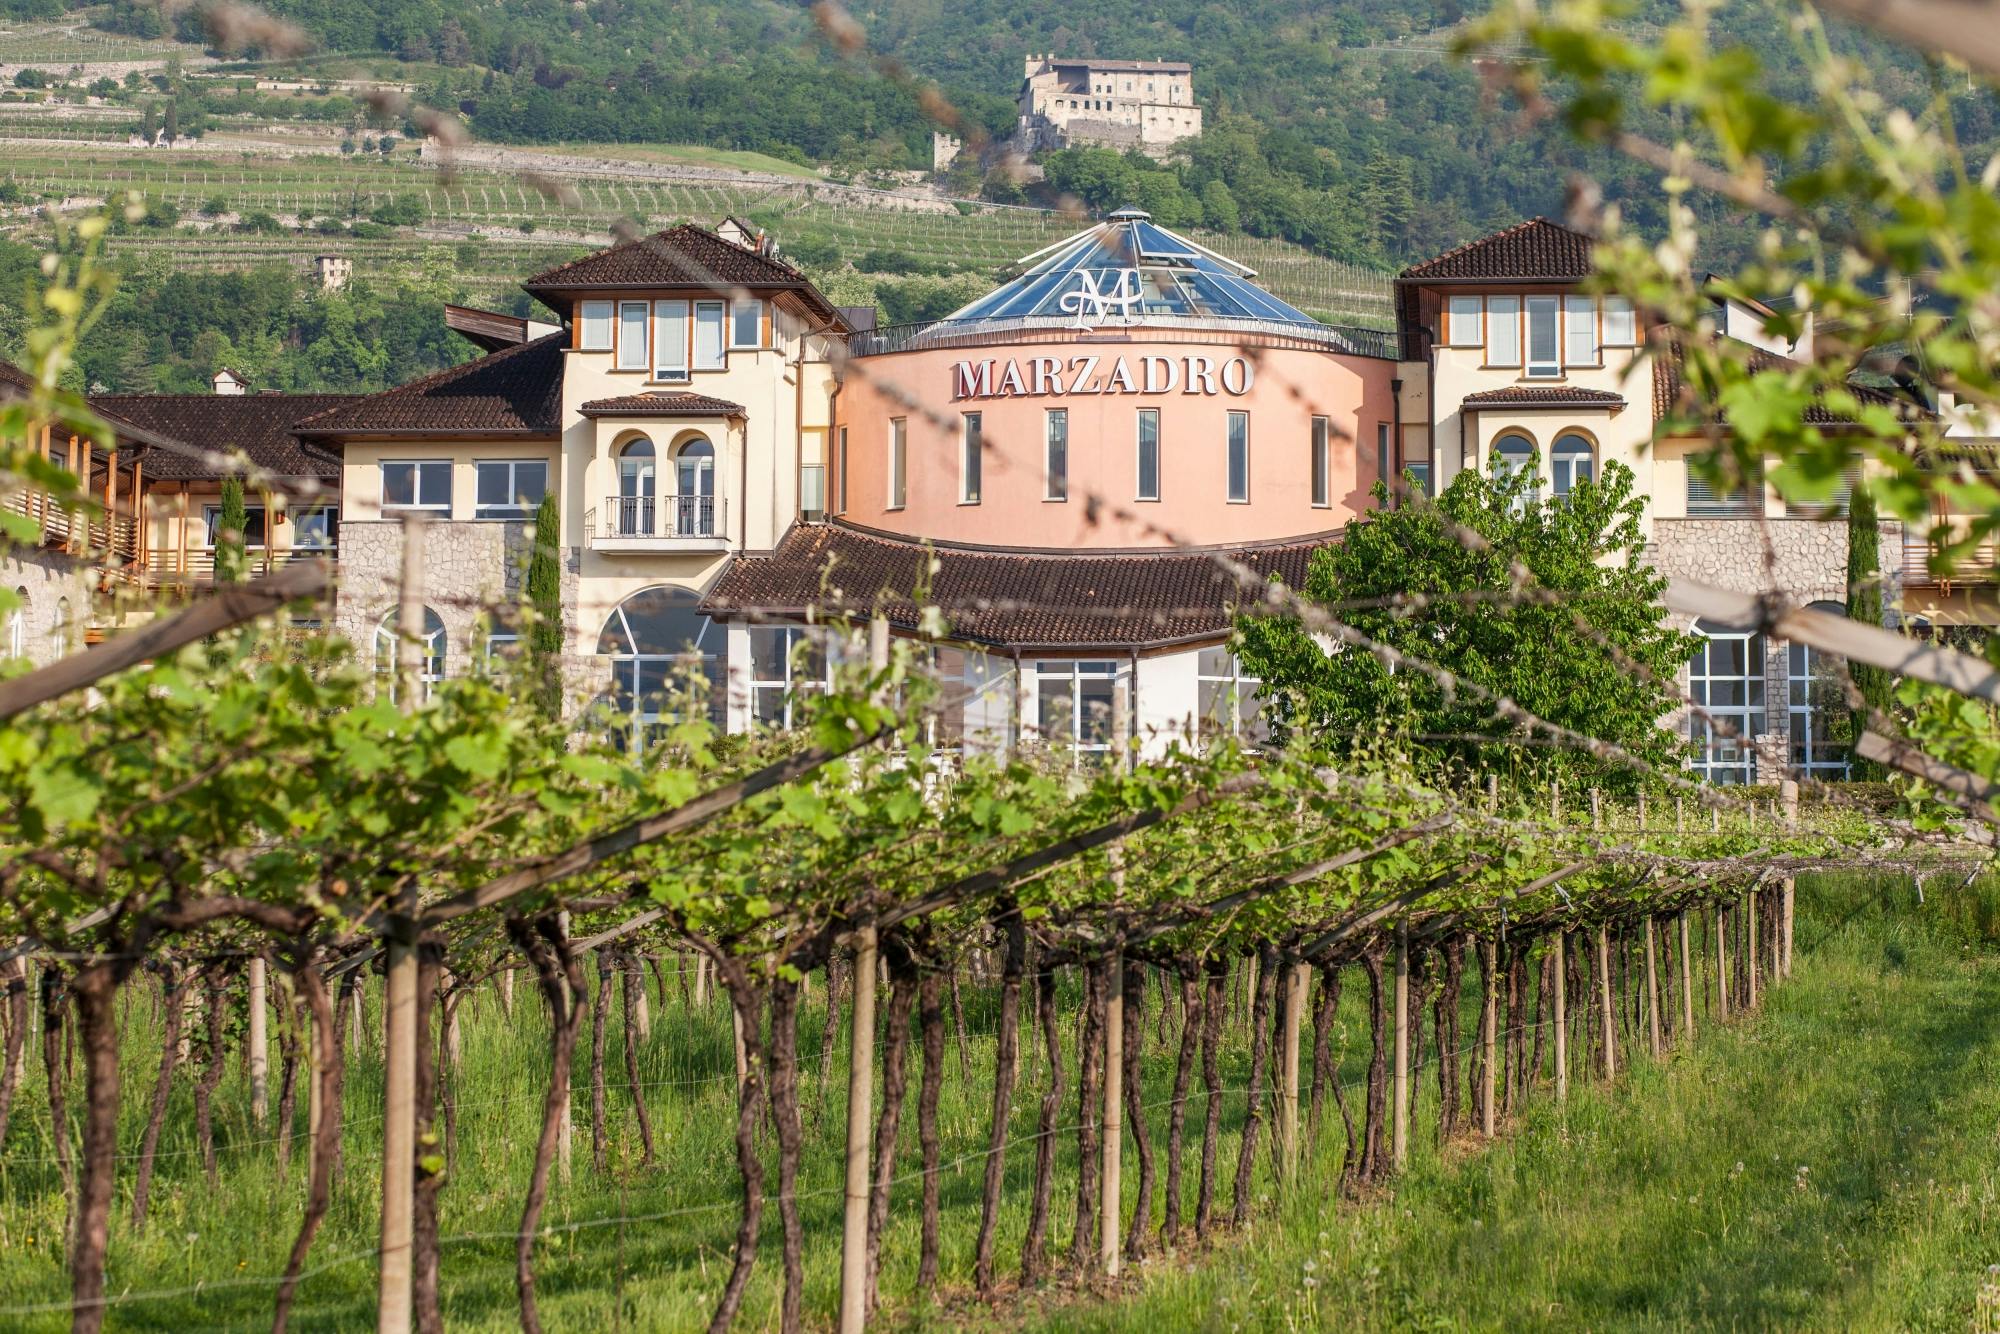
{"x": 1978, "y": 565}
{"x": 84, "y": 531}
{"x": 184, "y": 566}
{"x": 633, "y": 524}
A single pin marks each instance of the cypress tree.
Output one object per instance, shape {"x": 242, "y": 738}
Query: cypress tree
{"x": 230, "y": 557}
{"x": 1864, "y": 604}
{"x": 545, "y": 632}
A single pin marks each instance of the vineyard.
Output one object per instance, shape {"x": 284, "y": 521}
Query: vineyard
{"x": 520, "y": 229}
{"x": 794, "y": 1029}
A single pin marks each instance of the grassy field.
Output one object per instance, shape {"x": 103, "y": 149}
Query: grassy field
{"x": 1830, "y": 1164}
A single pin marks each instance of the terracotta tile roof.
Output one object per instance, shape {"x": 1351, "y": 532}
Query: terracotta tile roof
{"x": 683, "y": 256}
{"x": 1674, "y": 396}
{"x": 662, "y": 405}
{"x": 17, "y": 383}
{"x": 516, "y": 391}
{"x": 1016, "y": 599}
{"x": 1544, "y": 396}
{"x": 260, "y": 425}
{"x": 1533, "y": 250}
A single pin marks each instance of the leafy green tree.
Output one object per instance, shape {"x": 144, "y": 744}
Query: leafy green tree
{"x": 1864, "y": 604}
{"x": 545, "y": 632}
{"x": 1552, "y": 607}
{"x": 230, "y": 555}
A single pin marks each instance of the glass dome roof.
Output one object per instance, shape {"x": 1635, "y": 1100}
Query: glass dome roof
{"x": 1129, "y": 270}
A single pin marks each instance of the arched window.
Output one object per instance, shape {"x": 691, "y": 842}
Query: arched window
{"x": 63, "y": 629}
{"x": 661, "y": 648}
{"x": 1513, "y": 455}
{"x": 1816, "y": 703}
{"x": 694, "y": 489}
{"x": 430, "y": 665}
{"x": 1571, "y": 461}
{"x": 632, "y": 509}
{"x": 17, "y": 625}
{"x": 1726, "y": 692}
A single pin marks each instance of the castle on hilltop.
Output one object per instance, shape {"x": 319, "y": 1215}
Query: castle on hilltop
{"x": 1143, "y": 104}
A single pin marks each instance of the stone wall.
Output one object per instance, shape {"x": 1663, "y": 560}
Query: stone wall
{"x": 1806, "y": 559}
{"x": 55, "y": 593}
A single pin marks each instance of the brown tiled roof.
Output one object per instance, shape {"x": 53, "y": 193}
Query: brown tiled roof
{"x": 1544, "y": 396}
{"x": 662, "y": 405}
{"x": 683, "y": 256}
{"x": 17, "y": 383}
{"x": 516, "y": 391}
{"x": 260, "y": 425}
{"x": 1017, "y": 599}
{"x": 1674, "y": 396}
{"x": 1533, "y": 250}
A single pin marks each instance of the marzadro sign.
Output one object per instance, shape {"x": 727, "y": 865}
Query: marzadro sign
{"x": 1053, "y": 377}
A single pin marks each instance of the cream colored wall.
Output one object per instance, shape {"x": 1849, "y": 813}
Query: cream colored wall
{"x": 1669, "y": 479}
{"x": 361, "y": 470}
{"x": 165, "y": 507}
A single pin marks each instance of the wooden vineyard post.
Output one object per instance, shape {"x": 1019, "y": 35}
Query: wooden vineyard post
{"x": 1687, "y": 981}
{"x": 1680, "y": 816}
{"x": 1110, "y": 1236}
{"x": 1750, "y": 949}
{"x": 1605, "y": 1006}
{"x": 1788, "y": 792}
{"x": 1489, "y": 1035}
{"x": 1653, "y": 989}
{"x": 399, "y": 1004}
{"x": 1297, "y": 978}
{"x": 1562, "y": 1023}
{"x": 256, "y": 1049}
{"x": 1721, "y": 962}
{"x": 860, "y": 1087}
{"x": 1642, "y": 810}
{"x": 1596, "y": 809}
{"x": 1400, "y": 1126}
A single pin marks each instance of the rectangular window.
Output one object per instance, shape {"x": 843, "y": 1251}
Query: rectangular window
{"x": 1580, "y": 327}
{"x": 1462, "y": 321}
{"x": 1239, "y": 458}
{"x": 969, "y": 459}
{"x": 1227, "y": 698}
{"x": 708, "y": 353}
{"x": 595, "y": 328}
{"x": 1055, "y": 457}
{"x": 1149, "y": 453}
{"x": 422, "y": 485}
{"x": 1075, "y": 700}
{"x": 1322, "y": 462}
{"x": 1544, "y": 342}
{"x": 1705, "y": 501}
{"x": 841, "y": 481}
{"x": 509, "y": 488}
{"x": 899, "y": 457}
{"x": 670, "y": 340}
{"x": 746, "y": 324}
{"x": 253, "y": 526}
{"x": 788, "y": 665}
{"x": 314, "y": 529}
{"x": 1420, "y": 475}
{"x": 631, "y": 335}
{"x": 1503, "y": 330}
{"x": 1385, "y": 463}
{"x": 1620, "y": 329}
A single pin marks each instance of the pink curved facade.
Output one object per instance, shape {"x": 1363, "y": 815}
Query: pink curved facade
{"x": 1193, "y": 380}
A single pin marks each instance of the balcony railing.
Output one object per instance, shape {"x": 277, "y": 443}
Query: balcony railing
{"x": 1979, "y": 564}
{"x": 81, "y": 531}
{"x": 194, "y": 565}
{"x": 664, "y": 517}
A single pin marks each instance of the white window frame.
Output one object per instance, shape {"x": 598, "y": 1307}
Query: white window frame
{"x": 633, "y": 317}
{"x": 1621, "y": 325}
{"x": 431, "y": 666}
{"x": 1552, "y": 367}
{"x": 793, "y": 685}
{"x": 1463, "y": 317}
{"x": 512, "y": 509}
{"x": 594, "y": 326}
{"x": 1231, "y": 679}
{"x": 711, "y": 317}
{"x": 1807, "y": 717}
{"x": 670, "y": 341}
{"x": 1731, "y": 759}
{"x": 1236, "y": 441}
{"x": 1503, "y": 331}
{"x": 840, "y": 447}
{"x": 1055, "y": 454}
{"x": 1385, "y": 457}
{"x": 1580, "y": 323}
{"x": 1562, "y": 469}
{"x": 971, "y": 457}
{"x": 1074, "y": 672}
{"x": 211, "y": 515}
{"x": 737, "y": 309}
{"x": 298, "y": 518}
{"x": 419, "y": 505}
{"x": 899, "y": 462}
{"x": 1140, "y": 446}
{"x": 1319, "y": 465}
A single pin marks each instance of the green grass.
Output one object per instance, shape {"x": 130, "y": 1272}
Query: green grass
{"x": 1829, "y": 1164}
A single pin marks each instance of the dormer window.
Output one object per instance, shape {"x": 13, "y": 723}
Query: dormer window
{"x": 594, "y": 328}
{"x": 1544, "y": 339}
